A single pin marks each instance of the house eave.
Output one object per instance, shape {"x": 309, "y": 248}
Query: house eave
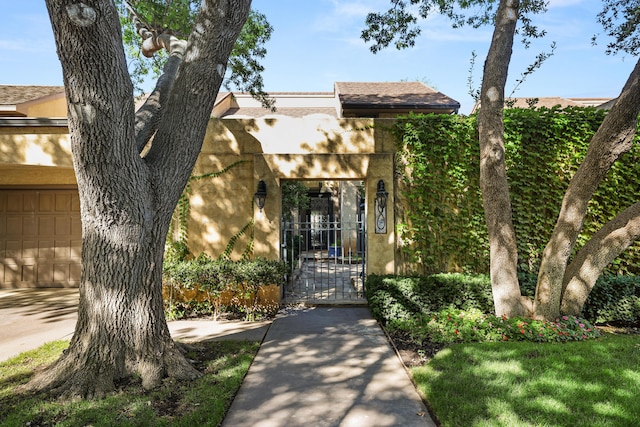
{"x": 452, "y": 106}
{"x": 33, "y": 122}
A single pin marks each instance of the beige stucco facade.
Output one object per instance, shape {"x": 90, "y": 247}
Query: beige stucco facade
{"x": 36, "y": 156}
{"x": 279, "y": 149}
{"x": 270, "y": 149}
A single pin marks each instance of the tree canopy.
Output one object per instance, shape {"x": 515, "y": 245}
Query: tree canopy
{"x": 177, "y": 17}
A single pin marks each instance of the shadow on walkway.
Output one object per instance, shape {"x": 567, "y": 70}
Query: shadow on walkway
{"x": 329, "y": 366}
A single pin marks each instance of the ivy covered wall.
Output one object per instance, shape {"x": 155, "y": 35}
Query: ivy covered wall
{"x": 439, "y": 214}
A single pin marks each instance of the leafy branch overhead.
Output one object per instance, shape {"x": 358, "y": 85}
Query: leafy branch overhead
{"x": 400, "y": 23}
{"x": 620, "y": 20}
{"x": 175, "y": 18}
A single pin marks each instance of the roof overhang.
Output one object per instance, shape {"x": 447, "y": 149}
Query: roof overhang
{"x": 33, "y": 122}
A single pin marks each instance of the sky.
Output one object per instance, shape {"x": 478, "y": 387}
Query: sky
{"x": 317, "y": 42}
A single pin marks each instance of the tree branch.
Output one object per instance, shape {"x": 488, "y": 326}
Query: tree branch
{"x": 149, "y": 115}
{"x": 605, "y": 246}
{"x": 613, "y": 138}
{"x": 493, "y": 178}
{"x": 191, "y": 100}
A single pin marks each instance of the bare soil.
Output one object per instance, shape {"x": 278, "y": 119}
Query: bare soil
{"x": 412, "y": 353}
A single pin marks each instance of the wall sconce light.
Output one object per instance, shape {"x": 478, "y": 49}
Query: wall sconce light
{"x": 261, "y": 195}
{"x": 381, "y": 208}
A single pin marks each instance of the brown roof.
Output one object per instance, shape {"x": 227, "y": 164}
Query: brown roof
{"x": 16, "y": 94}
{"x": 544, "y": 101}
{"x": 553, "y": 101}
{"x": 392, "y": 95}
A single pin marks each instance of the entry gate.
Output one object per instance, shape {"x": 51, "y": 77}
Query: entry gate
{"x": 326, "y": 260}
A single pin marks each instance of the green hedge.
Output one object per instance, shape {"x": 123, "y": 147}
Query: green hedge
{"x": 442, "y": 224}
{"x": 241, "y": 280}
{"x": 393, "y": 299}
{"x": 215, "y": 276}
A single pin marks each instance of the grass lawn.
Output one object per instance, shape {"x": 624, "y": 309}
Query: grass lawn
{"x": 589, "y": 383}
{"x": 203, "y": 402}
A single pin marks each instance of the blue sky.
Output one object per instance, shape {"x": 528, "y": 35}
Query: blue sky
{"x": 317, "y": 42}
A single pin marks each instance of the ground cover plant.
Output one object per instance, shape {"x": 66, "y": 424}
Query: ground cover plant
{"x": 474, "y": 368}
{"x": 201, "y": 402}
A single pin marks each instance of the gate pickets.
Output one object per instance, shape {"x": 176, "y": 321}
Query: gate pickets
{"x": 326, "y": 260}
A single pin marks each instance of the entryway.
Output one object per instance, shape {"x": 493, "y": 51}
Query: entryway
{"x": 324, "y": 245}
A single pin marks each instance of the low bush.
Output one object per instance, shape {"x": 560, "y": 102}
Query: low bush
{"x": 614, "y": 300}
{"x": 222, "y": 285}
{"x": 394, "y": 297}
{"x": 446, "y": 308}
{"x": 455, "y": 325}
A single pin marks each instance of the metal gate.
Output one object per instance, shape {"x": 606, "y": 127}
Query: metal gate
{"x": 326, "y": 260}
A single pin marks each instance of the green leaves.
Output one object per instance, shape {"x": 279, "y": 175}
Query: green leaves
{"x": 444, "y": 230}
{"x": 399, "y": 24}
{"x": 446, "y": 308}
{"x": 620, "y": 19}
{"x": 438, "y": 159}
{"x": 177, "y": 17}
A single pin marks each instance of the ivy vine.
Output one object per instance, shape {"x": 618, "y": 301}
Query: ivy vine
{"x": 177, "y": 244}
{"x": 442, "y": 225}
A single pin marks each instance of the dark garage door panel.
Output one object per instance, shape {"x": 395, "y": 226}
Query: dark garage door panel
{"x": 40, "y": 238}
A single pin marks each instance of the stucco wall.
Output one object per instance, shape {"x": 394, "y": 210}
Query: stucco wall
{"x": 278, "y": 149}
{"x": 50, "y": 106}
{"x": 271, "y": 149}
{"x": 32, "y": 156}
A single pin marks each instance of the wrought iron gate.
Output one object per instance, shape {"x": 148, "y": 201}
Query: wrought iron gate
{"x": 326, "y": 259}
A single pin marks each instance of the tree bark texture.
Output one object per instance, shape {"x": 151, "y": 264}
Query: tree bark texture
{"x": 613, "y": 138}
{"x": 126, "y": 201}
{"x": 493, "y": 178}
{"x": 603, "y": 247}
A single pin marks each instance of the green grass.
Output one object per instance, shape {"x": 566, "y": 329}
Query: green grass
{"x": 588, "y": 383}
{"x": 203, "y": 402}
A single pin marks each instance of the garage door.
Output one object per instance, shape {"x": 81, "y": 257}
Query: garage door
{"x": 40, "y": 238}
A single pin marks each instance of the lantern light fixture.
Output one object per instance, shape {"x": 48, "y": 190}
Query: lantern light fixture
{"x": 261, "y": 195}
{"x": 381, "y": 208}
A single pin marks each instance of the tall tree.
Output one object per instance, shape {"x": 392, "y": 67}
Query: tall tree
{"x": 127, "y": 199}
{"x": 503, "y": 248}
{"x": 563, "y": 282}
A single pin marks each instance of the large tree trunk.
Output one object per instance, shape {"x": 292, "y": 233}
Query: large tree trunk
{"x": 493, "y": 178}
{"x": 127, "y": 201}
{"x": 613, "y": 138}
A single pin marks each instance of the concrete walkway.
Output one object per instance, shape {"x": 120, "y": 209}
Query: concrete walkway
{"x": 32, "y": 317}
{"x": 319, "y": 366}
{"x": 327, "y": 366}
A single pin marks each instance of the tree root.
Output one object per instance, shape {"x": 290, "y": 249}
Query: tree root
{"x": 77, "y": 375}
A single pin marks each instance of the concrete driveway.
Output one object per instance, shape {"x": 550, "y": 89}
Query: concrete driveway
{"x": 32, "y": 317}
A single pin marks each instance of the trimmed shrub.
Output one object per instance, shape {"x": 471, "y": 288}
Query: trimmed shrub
{"x": 458, "y": 307}
{"x": 614, "y": 300}
{"x": 225, "y": 284}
